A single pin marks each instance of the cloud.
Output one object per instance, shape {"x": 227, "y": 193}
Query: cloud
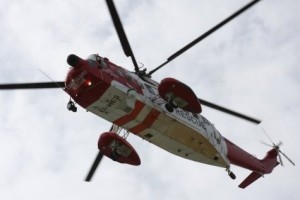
{"x": 251, "y": 66}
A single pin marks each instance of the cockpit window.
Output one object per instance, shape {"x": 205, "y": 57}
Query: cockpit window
{"x": 97, "y": 61}
{"x": 102, "y": 61}
{"x": 93, "y": 57}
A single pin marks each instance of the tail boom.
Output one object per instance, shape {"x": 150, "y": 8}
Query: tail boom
{"x": 241, "y": 158}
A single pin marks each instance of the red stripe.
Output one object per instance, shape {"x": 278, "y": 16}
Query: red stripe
{"x": 132, "y": 115}
{"x": 147, "y": 122}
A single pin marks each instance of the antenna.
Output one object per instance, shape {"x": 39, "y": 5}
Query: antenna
{"x": 56, "y": 83}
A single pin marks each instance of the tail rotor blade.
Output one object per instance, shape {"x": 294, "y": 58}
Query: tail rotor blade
{"x": 94, "y": 166}
{"x": 266, "y": 144}
{"x": 277, "y": 147}
{"x": 280, "y": 159}
{"x": 287, "y": 157}
{"x": 265, "y": 132}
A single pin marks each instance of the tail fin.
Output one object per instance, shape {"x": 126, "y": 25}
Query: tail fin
{"x": 250, "y": 179}
{"x": 269, "y": 162}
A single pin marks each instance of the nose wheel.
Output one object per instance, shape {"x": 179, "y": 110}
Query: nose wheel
{"x": 71, "y": 106}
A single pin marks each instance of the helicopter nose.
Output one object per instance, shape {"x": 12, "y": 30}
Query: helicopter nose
{"x": 74, "y": 60}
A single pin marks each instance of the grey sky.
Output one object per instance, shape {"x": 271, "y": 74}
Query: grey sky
{"x": 251, "y": 66}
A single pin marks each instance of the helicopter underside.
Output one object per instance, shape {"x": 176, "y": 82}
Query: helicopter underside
{"x": 131, "y": 111}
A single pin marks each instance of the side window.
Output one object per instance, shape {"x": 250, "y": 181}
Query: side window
{"x": 140, "y": 84}
{"x": 129, "y": 78}
{"x": 92, "y": 60}
{"x": 102, "y": 62}
{"x": 150, "y": 89}
{"x": 92, "y": 63}
{"x": 120, "y": 73}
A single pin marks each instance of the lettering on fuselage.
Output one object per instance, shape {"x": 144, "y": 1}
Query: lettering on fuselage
{"x": 191, "y": 118}
{"x": 77, "y": 81}
{"x": 110, "y": 102}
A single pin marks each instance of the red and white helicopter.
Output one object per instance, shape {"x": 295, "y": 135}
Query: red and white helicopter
{"x": 167, "y": 114}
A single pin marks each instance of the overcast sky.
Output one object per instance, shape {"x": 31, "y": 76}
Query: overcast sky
{"x": 251, "y": 66}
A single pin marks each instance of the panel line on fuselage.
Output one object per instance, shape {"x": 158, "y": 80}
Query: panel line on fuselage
{"x": 180, "y": 132}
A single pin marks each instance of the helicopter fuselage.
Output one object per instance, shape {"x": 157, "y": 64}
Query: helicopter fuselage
{"x": 123, "y": 98}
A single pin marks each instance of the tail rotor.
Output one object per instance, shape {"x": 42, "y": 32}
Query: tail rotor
{"x": 277, "y": 147}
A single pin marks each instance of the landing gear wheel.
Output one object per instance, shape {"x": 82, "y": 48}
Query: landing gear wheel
{"x": 114, "y": 155}
{"x": 169, "y": 107}
{"x": 232, "y": 175}
{"x": 71, "y": 106}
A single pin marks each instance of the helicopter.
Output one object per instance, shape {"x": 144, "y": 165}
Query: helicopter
{"x": 167, "y": 114}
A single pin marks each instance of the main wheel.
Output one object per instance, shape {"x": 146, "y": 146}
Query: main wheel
{"x": 114, "y": 155}
{"x": 169, "y": 107}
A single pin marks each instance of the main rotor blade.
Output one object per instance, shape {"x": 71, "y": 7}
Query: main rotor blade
{"x": 38, "y": 85}
{"x": 203, "y": 36}
{"x": 228, "y": 111}
{"x": 121, "y": 33}
{"x": 94, "y": 167}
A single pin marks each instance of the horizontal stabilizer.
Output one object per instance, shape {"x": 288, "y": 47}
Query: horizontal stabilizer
{"x": 250, "y": 179}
